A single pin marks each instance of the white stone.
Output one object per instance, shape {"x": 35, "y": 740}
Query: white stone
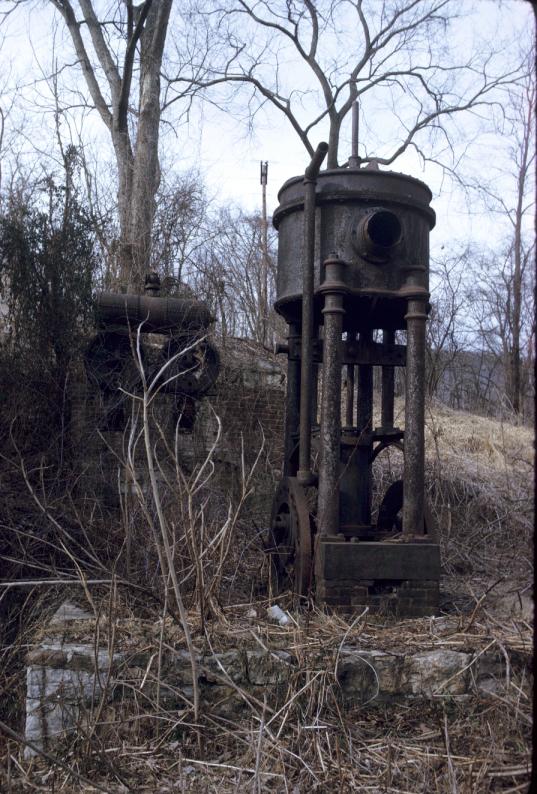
{"x": 67, "y": 612}
{"x": 437, "y": 672}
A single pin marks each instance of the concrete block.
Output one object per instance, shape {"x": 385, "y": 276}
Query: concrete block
{"x": 378, "y": 561}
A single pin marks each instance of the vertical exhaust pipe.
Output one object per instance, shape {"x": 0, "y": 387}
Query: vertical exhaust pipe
{"x": 305, "y": 475}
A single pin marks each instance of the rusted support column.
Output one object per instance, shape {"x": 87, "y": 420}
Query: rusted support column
{"x": 304, "y": 474}
{"x": 365, "y": 392}
{"x": 364, "y": 422}
{"x": 414, "y": 465}
{"x": 334, "y": 288}
{"x": 349, "y": 407}
{"x": 388, "y": 384}
{"x": 314, "y": 393}
{"x": 292, "y": 402}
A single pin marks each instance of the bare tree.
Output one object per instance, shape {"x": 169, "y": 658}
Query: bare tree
{"x": 230, "y": 272}
{"x": 342, "y": 52}
{"x": 507, "y": 287}
{"x": 445, "y": 326}
{"x": 182, "y": 225}
{"x": 118, "y": 55}
{"x": 491, "y": 301}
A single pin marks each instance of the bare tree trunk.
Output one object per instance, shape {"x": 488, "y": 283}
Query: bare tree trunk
{"x": 517, "y": 301}
{"x": 137, "y": 164}
{"x": 518, "y": 254}
{"x": 125, "y": 168}
{"x": 146, "y": 169}
{"x": 333, "y": 142}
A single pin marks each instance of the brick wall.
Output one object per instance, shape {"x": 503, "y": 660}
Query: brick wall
{"x": 248, "y": 399}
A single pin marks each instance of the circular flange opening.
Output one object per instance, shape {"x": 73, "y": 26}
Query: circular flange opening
{"x": 383, "y": 229}
{"x": 376, "y": 235}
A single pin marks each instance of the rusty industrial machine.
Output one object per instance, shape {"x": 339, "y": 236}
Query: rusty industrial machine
{"x": 353, "y": 288}
{"x": 173, "y": 332}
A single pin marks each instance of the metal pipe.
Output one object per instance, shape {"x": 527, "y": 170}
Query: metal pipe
{"x": 314, "y": 393}
{"x": 334, "y": 289}
{"x": 156, "y": 314}
{"x": 377, "y": 235}
{"x": 304, "y": 474}
{"x": 388, "y": 386}
{"x": 414, "y": 447}
{"x": 364, "y": 418}
{"x": 364, "y": 422}
{"x": 349, "y": 408}
{"x": 292, "y": 412}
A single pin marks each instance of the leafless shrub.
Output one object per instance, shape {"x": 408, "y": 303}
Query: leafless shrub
{"x": 146, "y": 731}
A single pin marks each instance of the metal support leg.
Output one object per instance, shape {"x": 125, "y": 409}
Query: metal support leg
{"x": 388, "y": 387}
{"x": 314, "y": 393}
{"x": 328, "y": 500}
{"x": 414, "y": 464}
{"x": 292, "y": 405}
{"x": 364, "y": 421}
{"x": 349, "y": 408}
{"x": 365, "y": 398}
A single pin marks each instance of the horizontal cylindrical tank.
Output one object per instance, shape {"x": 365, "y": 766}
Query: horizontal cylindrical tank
{"x": 378, "y": 222}
{"x": 158, "y": 315}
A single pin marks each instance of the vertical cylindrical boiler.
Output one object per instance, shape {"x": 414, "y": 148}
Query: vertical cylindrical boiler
{"x": 378, "y": 222}
{"x": 377, "y": 225}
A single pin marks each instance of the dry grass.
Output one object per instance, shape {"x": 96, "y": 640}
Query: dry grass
{"x": 491, "y": 443}
{"x": 303, "y": 738}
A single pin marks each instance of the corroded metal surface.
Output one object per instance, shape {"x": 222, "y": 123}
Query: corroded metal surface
{"x": 388, "y": 384}
{"x": 378, "y": 225}
{"x": 292, "y": 403}
{"x": 172, "y": 354}
{"x": 290, "y": 539}
{"x": 308, "y": 264}
{"x": 334, "y": 289}
{"x": 347, "y": 201}
{"x": 414, "y": 464}
{"x": 154, "y": 314}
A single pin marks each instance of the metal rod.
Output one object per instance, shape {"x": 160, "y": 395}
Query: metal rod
{"x": 334, "y": 289}
{"x": 292, "y": 404}
{"x": 314, "y": 393}
{"x": 264, "y": 246}
{"x": 414, "y": 462}
{"x": 304, "y": 473}
{"x": 388, "y": 386}
{"x": 349, "y": 412}
{"x": 365, "y": 398}
{"x": 364, "y": 418}
{"x": 364, "y": 422}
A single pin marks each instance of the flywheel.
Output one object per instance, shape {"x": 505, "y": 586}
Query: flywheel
{"x": 391, "y": 508}
{"x": 291, "y": 538}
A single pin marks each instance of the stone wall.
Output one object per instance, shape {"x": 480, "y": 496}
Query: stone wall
{"x": 70, "y": 680}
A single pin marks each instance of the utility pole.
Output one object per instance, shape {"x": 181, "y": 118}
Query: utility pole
{"x": 264, "y": 251}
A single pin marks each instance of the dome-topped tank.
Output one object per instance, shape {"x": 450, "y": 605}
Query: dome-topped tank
{"x": 378, "y": 222}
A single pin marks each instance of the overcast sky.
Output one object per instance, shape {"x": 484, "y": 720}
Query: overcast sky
{"x": 228, "y": 157}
